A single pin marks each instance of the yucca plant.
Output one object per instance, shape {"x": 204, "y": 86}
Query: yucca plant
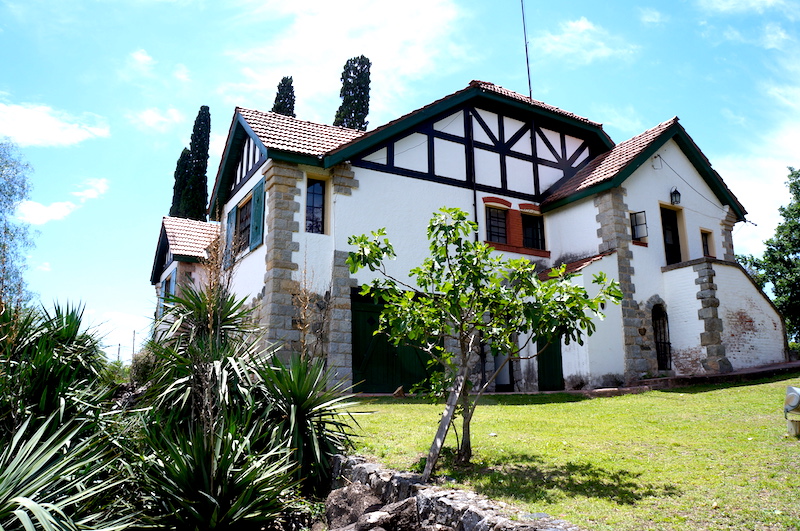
{"x": 311, "y": 416}
{"x": 199, "y": 480}
{"x": 47, "y": 359}
{"x": 49, "y": 477}
{"x": 210, "y": 312}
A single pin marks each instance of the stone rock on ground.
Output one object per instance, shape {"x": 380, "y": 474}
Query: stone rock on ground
{"x": 344, "y": 506}
{"x": 351, "y": 508}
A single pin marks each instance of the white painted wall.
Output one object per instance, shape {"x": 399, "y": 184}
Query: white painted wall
{"x": 571, "y": 231}
{"x": 402, "y": 205}
{"x": 752, "y": 329}
{"x": 606, "y": 354}
{"x": 680, "y": 296}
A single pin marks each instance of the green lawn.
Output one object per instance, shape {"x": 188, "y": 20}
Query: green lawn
{"x": 712, "y": 457}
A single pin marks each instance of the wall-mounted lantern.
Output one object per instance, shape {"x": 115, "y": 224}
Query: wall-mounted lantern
{"x": 675, "y": 196}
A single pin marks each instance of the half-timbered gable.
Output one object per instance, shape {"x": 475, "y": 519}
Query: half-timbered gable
{"x": 480, "y": 139}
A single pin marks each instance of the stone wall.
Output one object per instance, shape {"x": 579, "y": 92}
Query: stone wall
{"x": 612, "y": 216}
{"x": 281, "y": 183}
{"x": 379, "y": 493}
{"x": 711, "y": 337}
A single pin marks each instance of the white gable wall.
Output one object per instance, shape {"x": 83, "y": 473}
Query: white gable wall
{"x": 752, "y": 330}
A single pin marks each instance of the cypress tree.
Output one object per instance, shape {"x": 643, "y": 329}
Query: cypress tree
{"x": 190, "y": 192}
{"x": 196, "y": 195}
{"x": 284, "y": 98}
{"x": 178, "y": 189}
{"x": 353, "y": 111}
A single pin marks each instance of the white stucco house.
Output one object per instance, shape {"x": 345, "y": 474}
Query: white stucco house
{"x": 541, "y": 183}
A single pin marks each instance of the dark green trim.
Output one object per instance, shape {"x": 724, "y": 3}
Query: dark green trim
{"x": 239, "y": 132}
{"x": 295, "y": 158}
{"x": 185, "y": 258}
{"x": 692, "y": 152}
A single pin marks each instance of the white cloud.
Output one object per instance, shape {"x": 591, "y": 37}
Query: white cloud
{"x": 774, "y": 37}
{"x": 652, "y": 17}
{"x": 45, "y": 267}
{"x": 94, "y": 188}
{"x": 30, "y": 124}
{"x": 580, "y": 42}
{"x": 771, "y": 36}
{"x": 318, "y": 36}
{"x": 156, "y": 119}
{"x": 139, "y": 64}
{"x": 625, "y": 119}
{"x": 742, "y": 6}
{"x": 181, "y": 73}
{"x": 733, "y": 117}
{"x": 38, "y": 214}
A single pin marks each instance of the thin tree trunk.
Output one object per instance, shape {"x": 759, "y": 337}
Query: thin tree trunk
{"x": 444, "y": 423}
{"x": 465, "y": 450}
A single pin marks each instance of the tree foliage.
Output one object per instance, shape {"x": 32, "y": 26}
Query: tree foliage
{"x": 181, "y": 178}
{"x": 15, "y": 236}
{"x": 284, "y": 98}
{"x": 190, "y": 192}
{"x": 354, "y": 109}
{"x": 779, "y": 267}
{"x": 465, "y": 294}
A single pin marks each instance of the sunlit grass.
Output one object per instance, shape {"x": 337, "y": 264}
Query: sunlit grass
{"x": 712, "y": 457}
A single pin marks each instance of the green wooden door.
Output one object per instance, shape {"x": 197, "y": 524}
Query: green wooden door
{"x": 379, "y": 366}
{"x": 551, "y": 372}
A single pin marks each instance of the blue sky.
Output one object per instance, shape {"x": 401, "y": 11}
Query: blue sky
{"x": 101, "y": 95}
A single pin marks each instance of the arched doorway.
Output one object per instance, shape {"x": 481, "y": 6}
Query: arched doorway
{"x": 661, "y": 337}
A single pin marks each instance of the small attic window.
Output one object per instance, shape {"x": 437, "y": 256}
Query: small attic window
{"x": 638, "y": 226}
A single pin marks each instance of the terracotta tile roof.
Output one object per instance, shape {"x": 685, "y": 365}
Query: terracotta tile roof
{"x": 577, "y": 265}
{"x": 486, "y": 87}
{"x": 285, "y": 133}
{"x": 188, "y": 237}
{"x": 607, "y": 165}
{"x": 491, "y": 87}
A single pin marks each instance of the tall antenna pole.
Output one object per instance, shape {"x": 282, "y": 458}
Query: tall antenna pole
{"x": 527, "y": 59}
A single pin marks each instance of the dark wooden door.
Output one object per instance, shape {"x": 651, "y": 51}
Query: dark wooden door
{"x": 661, "y": 337}
{"x": 551, "y": 370}
{"x": 379, "y": 366}
{"x": 672, "y": 242}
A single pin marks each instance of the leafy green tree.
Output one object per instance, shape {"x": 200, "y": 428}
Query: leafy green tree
{"x": 466, "y": 294}
{"x": 190, "y": 192}
{"x": 284, "y": 98}
{"x": 779, "y": 266}
{"x": 15, "y": 237}
{"x": 179, "y": 188}
{"x": 354, "y": 109}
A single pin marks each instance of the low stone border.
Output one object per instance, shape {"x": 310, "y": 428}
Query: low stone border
{"x": 439, "y": 507}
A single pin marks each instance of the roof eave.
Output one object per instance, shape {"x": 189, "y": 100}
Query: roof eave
{"x": 692, "y": 152}
{"x": 296, "y": 158}
{"x": 162, "y": 241}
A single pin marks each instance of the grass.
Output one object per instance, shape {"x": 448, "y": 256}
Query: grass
{"x": 711, "y": 457}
